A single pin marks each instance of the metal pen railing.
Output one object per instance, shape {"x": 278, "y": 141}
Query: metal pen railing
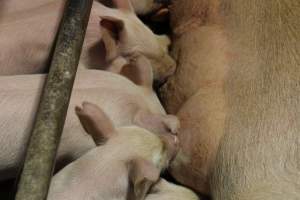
{"x": 43, "y": 144}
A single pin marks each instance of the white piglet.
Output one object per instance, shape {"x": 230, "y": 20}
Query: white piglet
{"x": 125, "y": 164}
{"x": 27, "y": 35}
{"x": 164, "y": 190}
{"x": 125, "y": 102}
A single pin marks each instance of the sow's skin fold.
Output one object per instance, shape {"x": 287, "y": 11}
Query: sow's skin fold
{"x": 125, "y": 164}
{"x": 125, "y": 102}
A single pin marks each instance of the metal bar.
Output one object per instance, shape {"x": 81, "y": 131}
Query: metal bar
{"x": 41, "y": 151}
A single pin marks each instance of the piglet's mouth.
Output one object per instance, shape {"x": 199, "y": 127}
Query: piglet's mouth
{"x": 172, "y": 145}
{"x": 176, "y": 141}
{"x": 176, "y": 144}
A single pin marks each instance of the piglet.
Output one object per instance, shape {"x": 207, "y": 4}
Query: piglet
{"x": 112, "y": 33}
{"x": 125, "y": 164}
{"x": 164, "y": 190}
{"x": 140, "y": 7}
{"x": 124, "y": 101}
{"x": 143, "y": 7}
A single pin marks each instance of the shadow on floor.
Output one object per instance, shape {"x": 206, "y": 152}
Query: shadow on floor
{"x": 7, "y": 189}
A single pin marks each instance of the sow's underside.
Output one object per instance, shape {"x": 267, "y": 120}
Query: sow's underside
{"x": 237, "y": 79}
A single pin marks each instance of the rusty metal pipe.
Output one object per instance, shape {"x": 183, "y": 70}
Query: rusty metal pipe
{"x": 42, "y": 147}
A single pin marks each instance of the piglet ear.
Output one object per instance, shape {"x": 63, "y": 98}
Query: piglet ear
{"x": 114, "y": 25}
{"x": 157, "y": 123}
{"x": 117, "y": 65}
{"x": 137, "y": 68}
{"x": 142, "y": 175}
{"x": 124, "y": 5}
{"x": 112, "y": 29}
{"x": 139, "y": 71}
{"x": 95, "y": 122}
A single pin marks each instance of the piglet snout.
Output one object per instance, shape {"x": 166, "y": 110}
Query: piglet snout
{"x": 172, "y": 145}
{"x": 172, "y": 123}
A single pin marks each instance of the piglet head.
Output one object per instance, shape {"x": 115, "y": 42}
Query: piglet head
{"x": 166, "y": 128}
{"x": 157, "y": 123}
{"x": 124, "y": 34}
{"x": 150, "y": 155}
{"x": 143, "y": 7}
{"x": 163, "y": 64}
{"x": 140, "y": 7}
{"x": 142, "y": 175}
{"x": 139, "y": 71}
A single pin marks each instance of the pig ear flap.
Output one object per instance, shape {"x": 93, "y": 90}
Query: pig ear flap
{"x": 95, "y": 122}
{"x": 117, "y": 65}
{"x": 157, "y": 123}
{"x": 142, "y": 176}
{"x": 112, "y": 29}
{"x": 139, "y": 71}
{"x": 124, "y": 5}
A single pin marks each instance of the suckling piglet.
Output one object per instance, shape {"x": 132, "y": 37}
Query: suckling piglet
{"x": 164, "y": 190}
{"x": 28, "y": 31}
{"x": 125, "y": 102}
{"x": 141, "y": 7}
{"x": 125, "y": 164}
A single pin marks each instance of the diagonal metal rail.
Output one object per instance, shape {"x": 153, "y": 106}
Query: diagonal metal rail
{"x": 42, "y": 147}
